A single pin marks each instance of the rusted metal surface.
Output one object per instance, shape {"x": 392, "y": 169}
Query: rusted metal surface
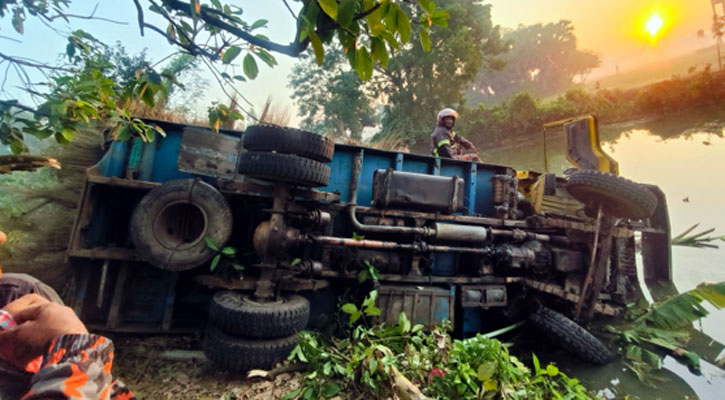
{"x": 286, "y": 285}
{"x": 248, "y": 188}
{"x": 428, "y": 306}
{"x": 601, "y": 272}
{"x": 656, "y": 246}
{"x": 274, "y": 242}
{"x": 592, "y": 264}
{"x": 556, "y": 290}
{"x": 562, "y": 223}
{"x": 205, "y": 153}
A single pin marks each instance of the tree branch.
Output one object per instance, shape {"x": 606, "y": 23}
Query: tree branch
{"x": 15, "y": 104}
{"x": 139, "y": 12}
{"x": 293, "y": 49}
{"x": 22, "y": 62}
{"x": 91, "y": 16}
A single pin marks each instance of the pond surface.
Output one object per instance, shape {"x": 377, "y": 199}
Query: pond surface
{"x": 684, "y": 156}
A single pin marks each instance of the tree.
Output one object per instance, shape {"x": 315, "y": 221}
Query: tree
{"x": 417, "y": 83}
{"x": 211, "y": 30}
{"x": 542, "y": 60}
{"x": 331, "y": 98}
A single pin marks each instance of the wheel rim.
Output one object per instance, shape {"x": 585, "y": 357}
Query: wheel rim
{"x": 180, "y": 225}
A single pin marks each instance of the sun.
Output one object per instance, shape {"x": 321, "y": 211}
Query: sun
{"x": 654, "y": 24}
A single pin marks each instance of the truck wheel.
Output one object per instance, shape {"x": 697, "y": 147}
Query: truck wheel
{"x": 279, "y": 167}
{"x": 618, "y": 196}
{"x": 288, "y": 140}
{"x": 237, "y": 314}
{"x": 570, "y": 336}
{"x": 170, "y": 223}
{"x": 239, "y": 354}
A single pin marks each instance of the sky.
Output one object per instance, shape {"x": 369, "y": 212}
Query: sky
{"x": 613, "y": 28}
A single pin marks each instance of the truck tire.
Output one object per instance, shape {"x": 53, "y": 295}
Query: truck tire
{"x": 570, "y": 336}
{"x": 235, "y": 313}
{"x": 240, "y": 354}
{"x": 619, "y": 197}
{"x": 289, "y": 141}
{"x": 170, "y": 224}
{"x": 279, "y": 167}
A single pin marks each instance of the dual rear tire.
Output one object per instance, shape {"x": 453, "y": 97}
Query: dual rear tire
{"x": 244, "y": 334}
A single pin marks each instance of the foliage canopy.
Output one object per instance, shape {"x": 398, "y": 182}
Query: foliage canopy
{"x": 214, "y": 31}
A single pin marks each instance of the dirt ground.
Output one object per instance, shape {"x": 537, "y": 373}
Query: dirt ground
{"x": 140, "y": 364}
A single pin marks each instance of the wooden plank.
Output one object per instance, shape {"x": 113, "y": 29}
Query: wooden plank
{"x": 109, "y": 253}
{"x": 124, "y": 183}
{"x": 83, "y": 277}
{"x": 85, "y": 210}
{"x": 114, "y": 314}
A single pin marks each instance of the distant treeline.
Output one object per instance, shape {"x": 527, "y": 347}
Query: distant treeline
{"x": 524, "y": 115}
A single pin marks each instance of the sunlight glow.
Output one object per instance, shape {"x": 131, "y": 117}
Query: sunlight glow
{"x": 654, "y": 24}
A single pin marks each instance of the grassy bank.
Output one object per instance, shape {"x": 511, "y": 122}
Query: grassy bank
{"x": 522, "y": 116}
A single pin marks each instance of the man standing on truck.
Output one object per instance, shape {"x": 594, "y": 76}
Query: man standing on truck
{"x": 445, "y": 143}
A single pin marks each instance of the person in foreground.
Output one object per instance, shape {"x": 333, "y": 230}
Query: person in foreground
{"x": 45, "y": 350}
{"x": 446, "y": 143}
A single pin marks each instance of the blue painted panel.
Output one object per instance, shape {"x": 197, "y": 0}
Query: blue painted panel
{"x": 418, "y": 166}
{"x": 471, "y": 189}
{"x": 473, "y": 321}
{"x": 371, "y": 163}
{"x": 444, "y": 264}
{"x": 113, "y": 163}
{"x": 484, "y": 193}
{"x": 167, "y": 156}
{"x": 341, "y": 173}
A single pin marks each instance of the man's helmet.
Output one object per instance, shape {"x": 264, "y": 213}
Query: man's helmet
{"x": 446, "y": 112}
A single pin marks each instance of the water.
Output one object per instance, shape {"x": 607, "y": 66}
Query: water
{"x": 683, "y": 156}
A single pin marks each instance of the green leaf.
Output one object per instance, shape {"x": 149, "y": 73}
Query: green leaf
{"x": 349, "y": 308}
{"x": 259, "y": 23}
{"x": 68, "y": 134}
{"x": 295, "y": 262}
{"x": 364, "y": 64}
{"x": 440, "y": 17}
{"x": 231, "y": 54}
{"x": 317, "y": 48}
{"x": 403, "y": 24}
{"x": 425, "y": 40}
{"x": 309, "y": 394}
{"x": 552, "y": 370}
{"x": 363, "y": 276}
{"x": 327, "y": 368}
{"x": 238, "y": 267}
{"x": 355, "y": 316}
{"x": 331, "y": 389}
{"x": 250, "y": 67}
{"x": 379, "y": 51}
{"x": 229, "y": 251}
{"x": 373, "y": 311}
{"x": 537, "y": 366}
{"x": 329, "y": 7}
{"x": 210, "y": 243}
{"x": 215, "y": 262}
{"x": 391, "y": 17}
{"x": 292, "y": 395}
{"x": 403, "y": 323}
{"x": 347, "y": 11}
{"x": 485, "y": 371}
{"x": 373, "y": 365}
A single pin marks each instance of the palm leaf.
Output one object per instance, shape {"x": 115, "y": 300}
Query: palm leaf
{"x": 685, "y": 308}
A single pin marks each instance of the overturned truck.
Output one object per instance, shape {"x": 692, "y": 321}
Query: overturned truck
{"x": 259, "y": 234}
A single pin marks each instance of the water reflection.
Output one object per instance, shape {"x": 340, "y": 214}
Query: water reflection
{"x": 685, "y": 162}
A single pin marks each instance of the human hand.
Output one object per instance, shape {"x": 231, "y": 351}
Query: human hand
{"x": 27, "y": 301}
{"x": 37, "y": 327}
